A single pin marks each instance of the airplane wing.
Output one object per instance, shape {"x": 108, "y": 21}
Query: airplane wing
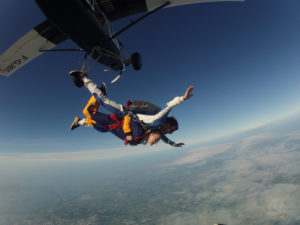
{"x": 152, "y": 4}
{"x": 43, "y": 37}
{"x": 117, "y": 9}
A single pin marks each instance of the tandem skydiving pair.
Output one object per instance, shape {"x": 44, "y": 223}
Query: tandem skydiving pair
{"x": 139, "y": 122}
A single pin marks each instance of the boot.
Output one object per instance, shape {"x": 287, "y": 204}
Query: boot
{"x": 103, "y": 88}
{"x": 75, "y": 123}
{"x": 77, "y": 77}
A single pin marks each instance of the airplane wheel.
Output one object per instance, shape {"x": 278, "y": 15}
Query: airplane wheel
{"x": 136, "y": 61}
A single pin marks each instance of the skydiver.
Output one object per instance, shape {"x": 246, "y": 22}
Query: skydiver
{"x": 161, "y": 121}
{"x": 116, "y": 125}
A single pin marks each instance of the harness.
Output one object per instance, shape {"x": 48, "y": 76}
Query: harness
{"x": 119, "y": 123}
{"x": 136, "y": 139}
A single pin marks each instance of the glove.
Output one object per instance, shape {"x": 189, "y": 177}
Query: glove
{"x": 179, "y": 145}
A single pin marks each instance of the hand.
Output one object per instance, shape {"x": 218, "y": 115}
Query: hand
{"x": 129, "y": 138}
{"x": 188, "y": 94}
{"x": 179, "y": 144}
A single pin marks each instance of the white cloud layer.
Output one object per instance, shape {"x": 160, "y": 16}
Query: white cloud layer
{"x": 257, "y": 184}
{"x": 102, "y": 154}
{"x": 254, "y": 180}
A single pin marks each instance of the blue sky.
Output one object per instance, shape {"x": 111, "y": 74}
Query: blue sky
{"x": 242, "y": 58}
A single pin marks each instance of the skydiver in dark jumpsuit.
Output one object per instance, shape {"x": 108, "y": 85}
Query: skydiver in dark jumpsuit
{"x": 160, "y": 121}
{"x": 115, "y": 122}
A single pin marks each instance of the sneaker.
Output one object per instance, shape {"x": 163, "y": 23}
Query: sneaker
{"x": 77, "y": 77}
{"x": 75, "y": 123}
{"x": 103, "y": 89}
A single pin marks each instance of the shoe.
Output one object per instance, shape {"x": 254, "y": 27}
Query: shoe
{"x": 75, "y": 123}
{"x": 77, "y": 77}
{"x": 103, "y": 89}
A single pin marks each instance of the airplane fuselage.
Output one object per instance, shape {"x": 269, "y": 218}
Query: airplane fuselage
{"x": 87, "y": 27}
{"x": 87, "y": 23}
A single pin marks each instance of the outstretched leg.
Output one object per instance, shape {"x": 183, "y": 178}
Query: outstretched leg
{"x": 90, "y": 109}
{"x": 79, "y": 122}
{"x": 80, "y": 79}
{"x": 110, "y": 105}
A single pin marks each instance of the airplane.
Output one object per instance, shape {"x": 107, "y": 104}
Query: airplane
{"x": 87, "y": 23}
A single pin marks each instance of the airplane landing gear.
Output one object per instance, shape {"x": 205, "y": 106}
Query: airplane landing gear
{"x": 136, "y": 61}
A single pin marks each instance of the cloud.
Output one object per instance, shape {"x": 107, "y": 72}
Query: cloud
{"x": 256, "y": 183}
{"x": 199, "y": 154}
{"x": 260, "y": 141}
{"x": 254, "y": 180}
{"x": 101, "y": 154}
{"x": 207, "y": 152}
{"x": 201, "y": 218}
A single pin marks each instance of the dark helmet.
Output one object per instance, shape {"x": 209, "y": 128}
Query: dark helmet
{"x": 172, "y": 121}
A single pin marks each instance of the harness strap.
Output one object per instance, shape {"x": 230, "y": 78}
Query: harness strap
{"x": 118, "y": 123}
{"x": 137, "y": 138}
{"x": 128, "y": 103}
{"x": 110, "y": 127}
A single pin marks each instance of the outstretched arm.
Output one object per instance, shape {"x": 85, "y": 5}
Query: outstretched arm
{"x": 154, "y": 120}
{"x": 168, "y": 141}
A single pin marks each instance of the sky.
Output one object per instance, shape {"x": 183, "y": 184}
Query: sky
{"x": 242, "y": 58}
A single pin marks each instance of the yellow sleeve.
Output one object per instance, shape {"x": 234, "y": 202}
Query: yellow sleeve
{"x": 126, "y": 125}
